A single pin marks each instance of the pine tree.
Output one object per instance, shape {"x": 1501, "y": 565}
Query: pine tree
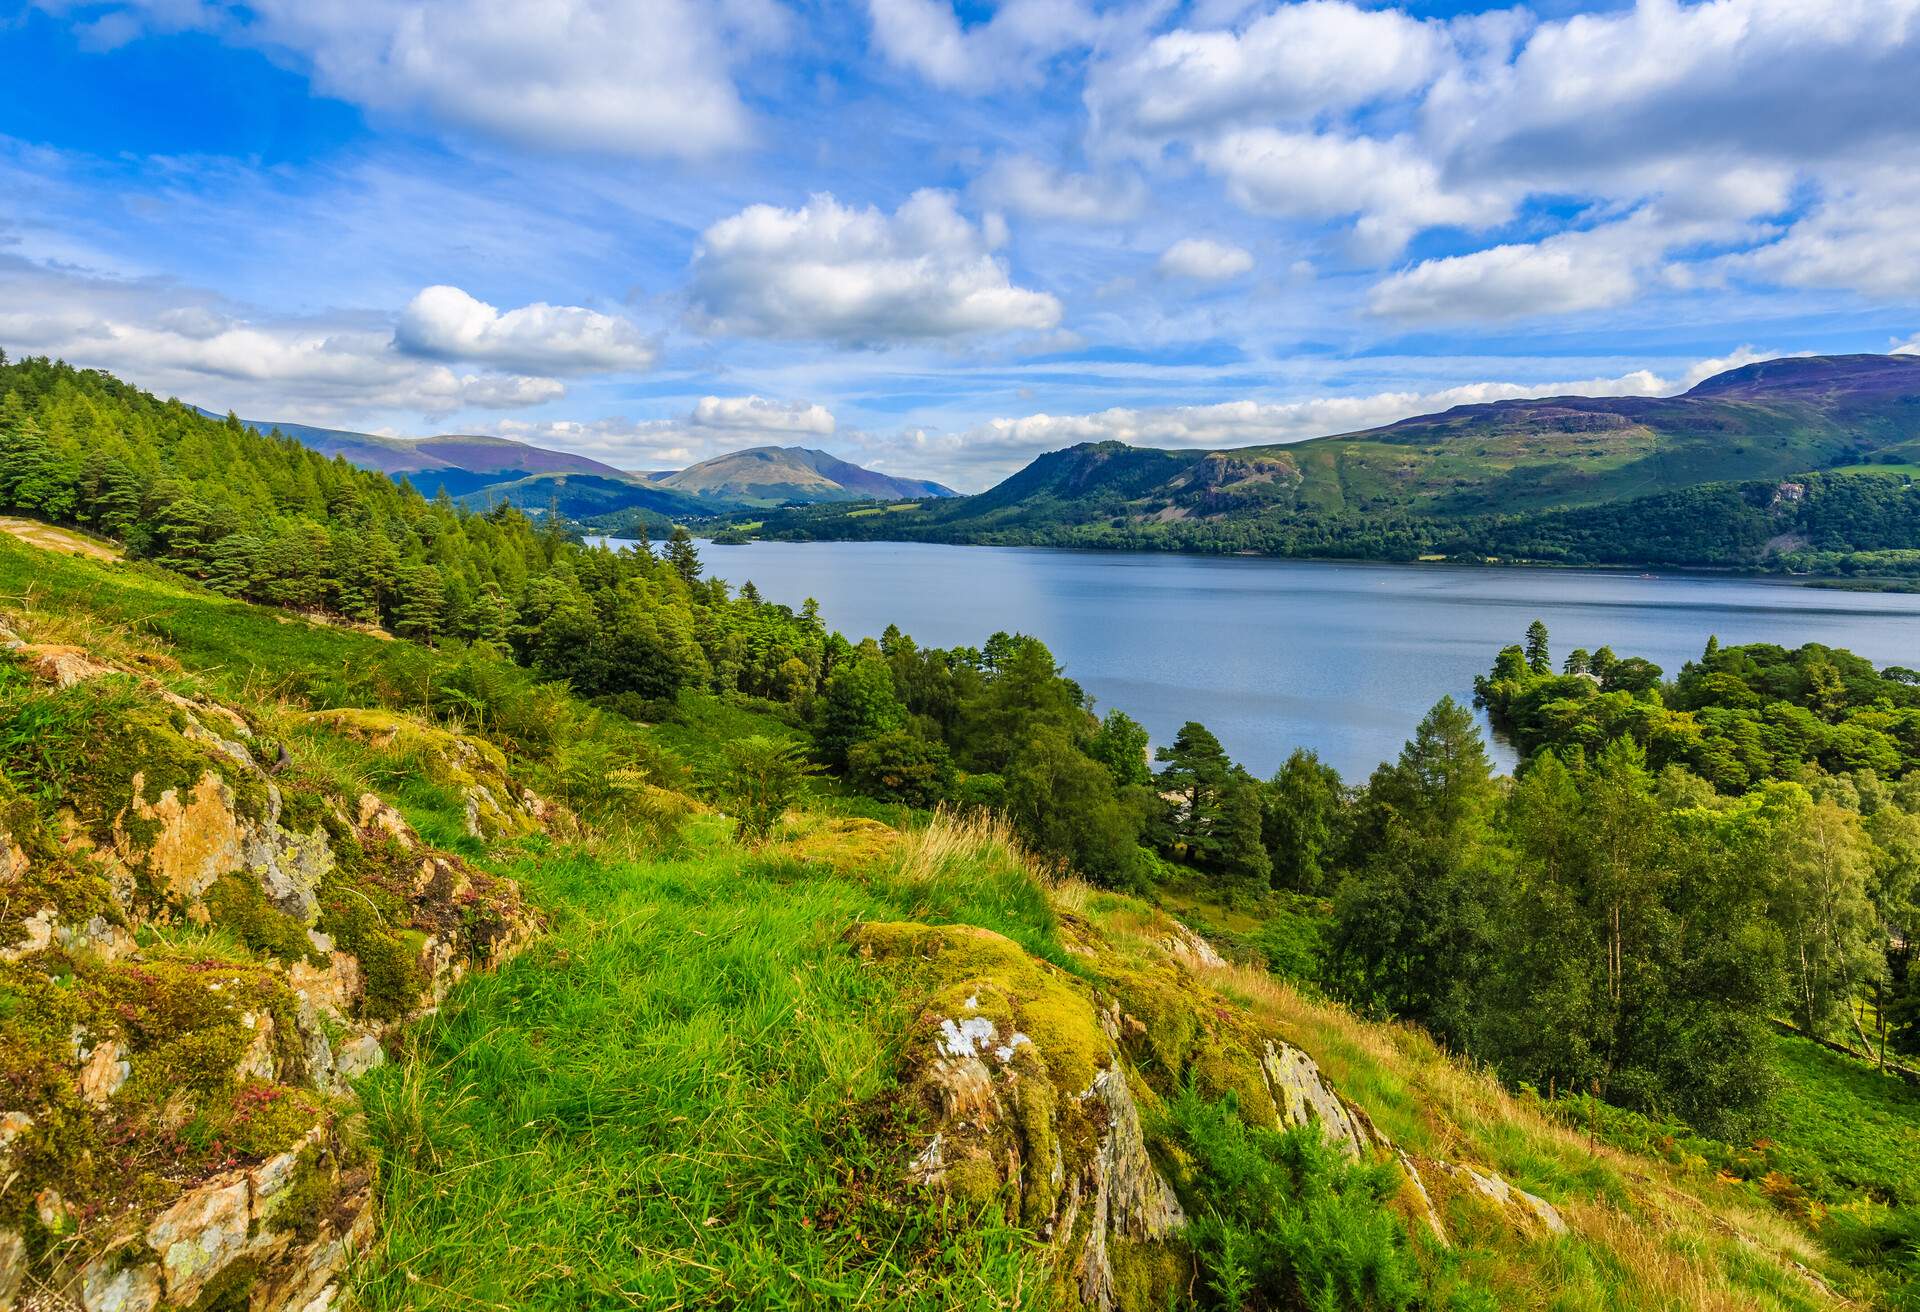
{"x": 420, "y": 603}
{"x": 682, "y": 555}
{"x": 1539, "y": 660}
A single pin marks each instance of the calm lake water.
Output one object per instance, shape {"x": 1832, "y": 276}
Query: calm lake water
{"x": 1274, "y": 654}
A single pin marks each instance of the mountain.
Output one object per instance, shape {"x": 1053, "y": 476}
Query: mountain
{"x": 462, "y": 463}
{"x": 775, "y": 475}
{"x": 1478, "y": 479}
{"x": 479, "y": 470}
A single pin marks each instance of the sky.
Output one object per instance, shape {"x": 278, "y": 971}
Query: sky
{"x": 939, "y": 237}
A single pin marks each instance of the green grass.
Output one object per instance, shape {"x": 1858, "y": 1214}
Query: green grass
{"x": 676, "y": 1099}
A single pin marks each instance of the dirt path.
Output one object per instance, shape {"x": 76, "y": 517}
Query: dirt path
{"x": 57, "y": 539}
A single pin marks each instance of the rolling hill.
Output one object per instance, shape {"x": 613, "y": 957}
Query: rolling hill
{"x": 479, "y": 470}
{"x": 777, "y": 475}
{"x": 1480, "y": 479}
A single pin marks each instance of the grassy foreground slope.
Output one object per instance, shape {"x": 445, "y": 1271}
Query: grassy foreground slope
{"x": 738, "y": 1074}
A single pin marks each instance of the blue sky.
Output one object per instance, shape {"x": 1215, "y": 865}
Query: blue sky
{"x": 939, "y": 237}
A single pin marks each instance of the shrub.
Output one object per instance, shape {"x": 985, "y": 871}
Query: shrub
{"x": 901, "y": 766}
{"x": 1282, "y": 1220}
{"x": 757, "y": 780}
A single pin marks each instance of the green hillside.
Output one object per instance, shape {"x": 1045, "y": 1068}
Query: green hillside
{"x": 1565, "y": 479}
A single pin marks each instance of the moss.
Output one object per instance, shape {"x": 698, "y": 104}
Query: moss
{"x": 303, "y": 806}
{"x": 232, "y": 1289}
{"x": 1150, "y": 1277}
{"x": 1013, "y": 989}
{"x": 37, "y": 1014}
{"x": 238, "y": 905}
{"x": 53, "y": 877}
{"x": 262, "y": 1118}
{"x": 371, "y": 923}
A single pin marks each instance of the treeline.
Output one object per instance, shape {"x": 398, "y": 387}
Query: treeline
{"x": 266, "y": 519}
{"x": 1856, "y": 523}
{"x": 1614, "y": 920}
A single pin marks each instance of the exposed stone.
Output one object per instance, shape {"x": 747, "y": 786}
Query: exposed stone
{"x": 256, "y": 1062}
{"x": 1509, "y": 1198}
{"x": 119, "y": 1282}
{"x": 357, "y": 1056}
{"x": 376, "y": 813}
{"x": 1302, "y": 1096}
{"x": 198, "y": 838}
{"x": 1129, "y": 1197}
{"x": 13, "y": 1265}
{"x": 200, "y": 1233}
{"x": 102, "y": 1072}
{"x": 1190, "y": 949}
{"x": 39, "y": 929}
{"x": 60, "y": 665}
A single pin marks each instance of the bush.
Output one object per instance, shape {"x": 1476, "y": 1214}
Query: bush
{"x": 1282, "y": 1220}
{"x": 757, "y": 780}
{"x": 903, "y": 767}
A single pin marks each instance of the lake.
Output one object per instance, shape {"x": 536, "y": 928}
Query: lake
{"x": 1277, "y": 654}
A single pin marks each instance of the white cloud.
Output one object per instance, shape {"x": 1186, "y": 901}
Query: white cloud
{"x": 755, "y": 414}
{"x": 639, "y": 77}
{"x": 1394, "y": 189}
{"x": 926, "y": 36}
{"x": 1720, "y": 112}
{"x": 1859, "y": 236}
{"x": 1565, "y": 274}
{"x": 183, "y": 342}
{"x": 1717, "y": 84}
{"x": 1291, "y": 64}
{"x": 1026, "y": 186}
{"x": 446, "y": 323}
{"x": 1909, "y": 347}
{"x": 831, "y": 272}
{"x": 1205, "y": 260}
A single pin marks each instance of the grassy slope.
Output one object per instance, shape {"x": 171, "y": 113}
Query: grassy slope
{"x": 679, "y": 1097}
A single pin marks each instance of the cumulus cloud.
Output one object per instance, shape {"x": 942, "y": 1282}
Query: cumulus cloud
{"x": 1909, "y": 347}
{"x": 860, "y": 277}
{"x": 446, "y": 323}
{"x": 1026, "y": 186}
{"x": 614, "y": 76}
{"x": 1393, "y": 189}
{"x": 927, "y": 37}
{"x": 1858, "y": 236}
{"x": 1205, "y": 260}
{"x": 183, "y": 342}
{"x": 1559, "y": 275}
{"x": 755, "y": 414}
{"x": 1724, "y": 113}
{"x": 1292, "y": 64}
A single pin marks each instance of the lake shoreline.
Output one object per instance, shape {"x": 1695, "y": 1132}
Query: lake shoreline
{"x": 1828, "y": 582}
{"x": 1843, "y": 582}
{"x": 1278, "y": 652}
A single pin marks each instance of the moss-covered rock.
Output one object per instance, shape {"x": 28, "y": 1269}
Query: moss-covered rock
{"x": 1033, "y": 1109}
{"x": 194, "y": 961}
{"x": 474, "y": 770}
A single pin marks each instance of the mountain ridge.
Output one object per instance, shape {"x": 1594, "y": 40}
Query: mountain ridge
{"x": 478, "y": 469}
{"x": 1443, "y": 483}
